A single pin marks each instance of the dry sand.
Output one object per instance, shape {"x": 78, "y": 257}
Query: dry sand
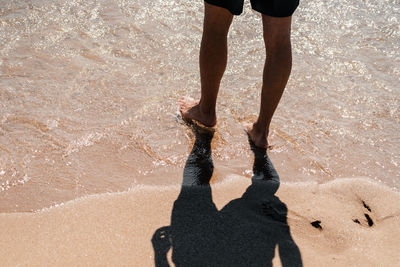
{"x": 117, "y": 229}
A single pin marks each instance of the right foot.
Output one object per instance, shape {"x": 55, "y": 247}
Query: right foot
{"x": 190, "y": 110}
{"x": 259, "y": 138}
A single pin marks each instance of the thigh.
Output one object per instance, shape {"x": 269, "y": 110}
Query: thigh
{"x": 216, "y": 19}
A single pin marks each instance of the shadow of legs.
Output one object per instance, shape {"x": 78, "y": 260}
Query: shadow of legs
{"x": 194, "y": 211}
{"x": 244, "y": 233}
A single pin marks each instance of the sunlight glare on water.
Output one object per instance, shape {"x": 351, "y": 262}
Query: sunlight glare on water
{"x": 88, "y": 95}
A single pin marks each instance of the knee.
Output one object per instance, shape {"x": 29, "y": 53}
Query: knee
{"x": 217, "y": 25}
{"x": 277, "y": 34}
{"x": 217, "y": 20}
{"x": 278, "y": 45}
{"x": 215, "y": 29}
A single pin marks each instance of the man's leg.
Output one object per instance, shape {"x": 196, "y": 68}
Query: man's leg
{"x": 213, "y": 59}
{"x": 278, "y": 65}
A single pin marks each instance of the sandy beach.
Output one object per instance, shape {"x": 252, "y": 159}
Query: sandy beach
{"x": 117, "y": 229}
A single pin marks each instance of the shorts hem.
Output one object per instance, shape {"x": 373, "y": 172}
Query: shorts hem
{"x": 270, "y": 14}
{"x": 276, "y": 9}
{"x": 218, "y": 4}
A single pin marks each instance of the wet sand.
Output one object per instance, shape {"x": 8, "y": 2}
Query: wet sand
{"x": 117, "y": 228}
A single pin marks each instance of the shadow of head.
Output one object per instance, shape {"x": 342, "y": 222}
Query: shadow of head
{"x": 246, "y": 232}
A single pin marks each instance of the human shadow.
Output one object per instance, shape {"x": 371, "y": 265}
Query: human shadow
{"x": 244, "y": 233}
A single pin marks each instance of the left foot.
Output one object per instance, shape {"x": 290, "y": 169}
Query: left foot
{"x": 190, "y": 109}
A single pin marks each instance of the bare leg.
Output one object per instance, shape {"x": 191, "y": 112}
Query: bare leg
{"x": 213, "y": 59}
{"x": 278, "y": 65}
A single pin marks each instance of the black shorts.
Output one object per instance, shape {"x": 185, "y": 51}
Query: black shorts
{"x": 273, "y": 8}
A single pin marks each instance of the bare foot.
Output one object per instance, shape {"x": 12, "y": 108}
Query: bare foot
{"x": 190, "y": 110}
{"x": 259, "y": 138}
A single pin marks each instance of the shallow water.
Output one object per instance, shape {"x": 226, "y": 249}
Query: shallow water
{"x": 88, "y": 93}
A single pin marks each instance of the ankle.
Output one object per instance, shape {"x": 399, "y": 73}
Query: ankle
{"x": 207, "y": 110}
{"x": 261, "y": 129}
